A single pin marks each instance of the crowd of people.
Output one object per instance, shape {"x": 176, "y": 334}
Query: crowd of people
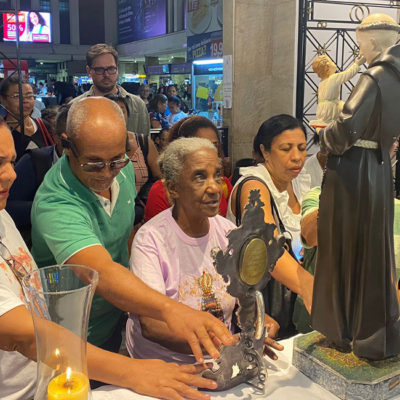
{"x": 84, "y": 184}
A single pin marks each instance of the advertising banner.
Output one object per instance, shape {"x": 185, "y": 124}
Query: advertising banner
{"x": 203, "y": 16}
{"x": 141, "y": 19}
{"x": 33, "y": 27}
{"x": 206, "y": 45}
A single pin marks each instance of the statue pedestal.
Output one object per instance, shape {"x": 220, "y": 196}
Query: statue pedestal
{"x": 344, "y": 374}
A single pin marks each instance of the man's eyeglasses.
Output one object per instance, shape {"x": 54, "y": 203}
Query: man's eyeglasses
{"x": 101, "y": 70}
{"x": 27, "y": 96}
{"x": 100, "y": 165}
{"x": 95, "y": 166}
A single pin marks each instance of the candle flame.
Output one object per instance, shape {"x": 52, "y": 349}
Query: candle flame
{"x": 68, "y": 384}
{"x": 57, "y": 352}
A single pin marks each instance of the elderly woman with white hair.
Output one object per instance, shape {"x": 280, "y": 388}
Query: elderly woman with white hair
{"x": 171, "y": 252}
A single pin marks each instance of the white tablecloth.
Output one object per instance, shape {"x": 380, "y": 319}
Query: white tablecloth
{"x": 284, "y": 382}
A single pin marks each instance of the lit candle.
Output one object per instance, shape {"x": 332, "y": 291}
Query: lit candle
{"x": 68, "y": 386}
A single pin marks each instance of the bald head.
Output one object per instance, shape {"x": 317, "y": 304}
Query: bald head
{"x": 91, "y": 113}
{"x": 97, "y": 133}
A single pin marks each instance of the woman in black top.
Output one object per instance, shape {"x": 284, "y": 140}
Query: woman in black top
{"x": 35, "y": 134}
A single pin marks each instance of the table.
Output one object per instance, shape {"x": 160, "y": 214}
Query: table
{"x": 284, "y": 382}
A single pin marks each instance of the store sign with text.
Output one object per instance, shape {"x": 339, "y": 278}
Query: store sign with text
{"x": 206, "y": 45}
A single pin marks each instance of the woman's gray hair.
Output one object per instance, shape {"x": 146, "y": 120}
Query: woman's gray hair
{"x": 173, "y": 158}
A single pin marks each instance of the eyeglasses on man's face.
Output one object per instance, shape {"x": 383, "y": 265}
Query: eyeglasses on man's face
{"x": 101, "y": 70}
{"x": 25, "y": 97}
{"x": 97, "y": 166}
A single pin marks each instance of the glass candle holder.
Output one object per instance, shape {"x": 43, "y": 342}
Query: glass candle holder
{"x": 60, "y": 312}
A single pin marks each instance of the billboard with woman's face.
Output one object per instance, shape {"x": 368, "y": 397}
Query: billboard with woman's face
{"x": 34, "y": 27}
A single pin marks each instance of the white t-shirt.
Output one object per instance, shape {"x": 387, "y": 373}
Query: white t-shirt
{"x": 17, "y": 373}
{"x": 171, "y": 262}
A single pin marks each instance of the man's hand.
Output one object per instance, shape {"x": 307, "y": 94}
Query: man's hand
{"x": 163, "y": 380}
{"x": 269, "y": 345}
{"x": 272, "y": 330}
{"x": 272, "y": 326}
{"x": 198, "y": 328}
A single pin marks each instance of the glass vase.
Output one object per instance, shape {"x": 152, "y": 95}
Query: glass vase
{"x": 60, "y": 311}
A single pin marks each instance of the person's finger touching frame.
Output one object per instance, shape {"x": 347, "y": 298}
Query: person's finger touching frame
{"x": 129, "y": 293}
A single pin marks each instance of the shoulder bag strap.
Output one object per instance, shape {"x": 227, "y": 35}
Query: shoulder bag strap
{"x": 48, "y": 140}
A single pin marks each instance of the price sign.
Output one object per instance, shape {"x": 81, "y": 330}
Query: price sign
{"x": 216, "y": 47}
{"x": 10, "y": 25}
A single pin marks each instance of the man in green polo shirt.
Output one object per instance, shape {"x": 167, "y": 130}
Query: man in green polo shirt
{"x": 83, "y": 213}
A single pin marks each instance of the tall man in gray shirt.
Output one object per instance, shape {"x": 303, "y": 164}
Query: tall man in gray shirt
{"x": 102, "y": 67}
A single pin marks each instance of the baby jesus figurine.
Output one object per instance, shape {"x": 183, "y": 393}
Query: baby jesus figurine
{"x": 329, "y": 104}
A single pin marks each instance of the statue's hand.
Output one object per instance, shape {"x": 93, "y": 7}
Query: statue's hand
{"x": 360, "y": 60}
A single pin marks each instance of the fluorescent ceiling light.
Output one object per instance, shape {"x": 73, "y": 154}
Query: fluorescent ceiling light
{"x": 210, "y": 61}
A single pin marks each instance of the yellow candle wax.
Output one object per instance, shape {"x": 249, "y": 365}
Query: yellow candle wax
{"x": 68, "y": 386}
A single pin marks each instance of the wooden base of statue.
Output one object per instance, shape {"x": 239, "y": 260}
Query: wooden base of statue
{"x": 343, "y": 374}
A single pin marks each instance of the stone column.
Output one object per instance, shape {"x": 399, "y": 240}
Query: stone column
{"x": 56, "y": 21}
{"x": 74, "y": 22}
{"x": 261, "y": 36}
{"x": 110, "y": 22}
{"x": 179, "y": 15}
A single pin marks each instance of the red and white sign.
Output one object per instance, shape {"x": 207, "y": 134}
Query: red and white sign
{"x": 10, "y": 67}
